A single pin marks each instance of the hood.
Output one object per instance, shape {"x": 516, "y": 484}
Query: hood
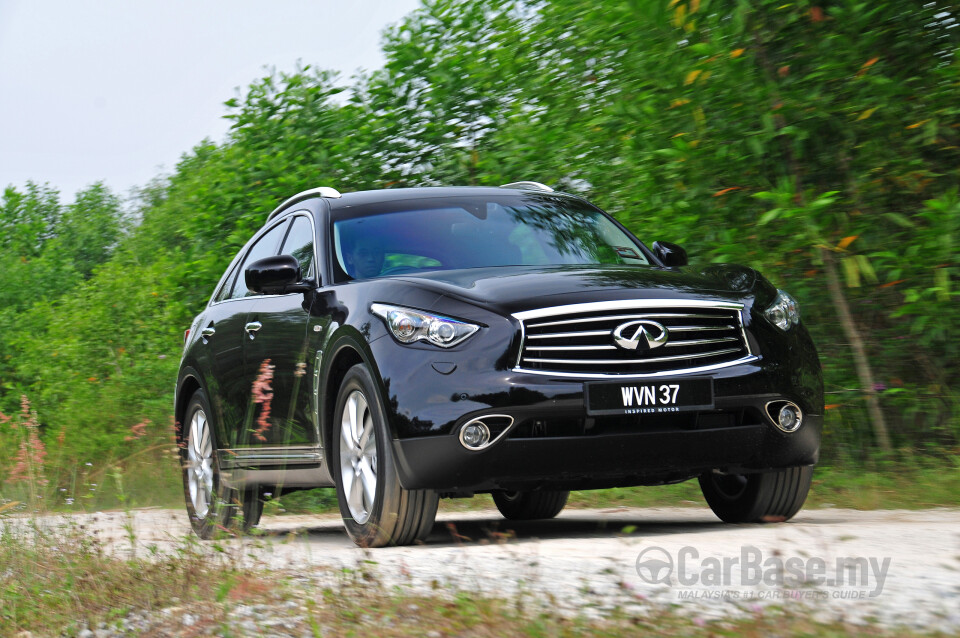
{"x": 512, "y": 289}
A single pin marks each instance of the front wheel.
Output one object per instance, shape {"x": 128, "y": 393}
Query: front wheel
{"x": 376, "y": 510}
{"x": 528, "y": 506}
{"x": 766, "y": 497}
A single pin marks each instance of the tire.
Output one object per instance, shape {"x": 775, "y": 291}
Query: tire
{"x": 376, "y": 510}
{"x": 768, "y": 497}
{"x": 210, "y": 504}
{"x": 528, "y": 506}
{"x": 251, "y": 505}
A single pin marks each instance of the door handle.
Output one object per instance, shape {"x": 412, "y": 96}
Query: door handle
{"x": 206, "y": 333}
{"x": 252, "y": 327}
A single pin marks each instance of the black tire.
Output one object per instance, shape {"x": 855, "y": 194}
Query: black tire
{"x": 528, "y": 506}
{"x": 394, "y": 516}
{"x": 767, "y": 497}
{"x": 202, "y": 488}
{"x": 251, "y": 505}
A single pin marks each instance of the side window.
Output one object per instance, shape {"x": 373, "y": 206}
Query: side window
{"x": 223, "y": 292}
{"x": 266, "y": 246}
{"x": 299, "y": 243}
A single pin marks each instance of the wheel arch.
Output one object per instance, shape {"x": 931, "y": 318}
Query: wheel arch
{"x": 188, "y": 385}
{"x": 347, "y": 350}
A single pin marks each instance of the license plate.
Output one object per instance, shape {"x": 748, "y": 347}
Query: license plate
{"x": 663, "y": 396}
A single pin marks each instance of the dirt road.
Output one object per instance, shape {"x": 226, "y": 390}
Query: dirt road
{"x": 891, "y": 567}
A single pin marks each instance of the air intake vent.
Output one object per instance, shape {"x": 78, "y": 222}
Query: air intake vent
{"x": 635, "y": 338}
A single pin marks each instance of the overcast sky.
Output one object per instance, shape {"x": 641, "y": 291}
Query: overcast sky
{"x": 117, "y": 90}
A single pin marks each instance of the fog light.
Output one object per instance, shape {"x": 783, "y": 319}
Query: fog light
{"x": 786, "y": 415}
{"x": 475, "y": 435}
{"x": 789, "y": 418}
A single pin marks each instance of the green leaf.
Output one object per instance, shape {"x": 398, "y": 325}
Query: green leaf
{"x": 769, "y": 216}
{"x": 941, "y": 278}
{"x": 851, "y": 272}
{"x": 900, "y": 220}
{"x": 866, "y": 269}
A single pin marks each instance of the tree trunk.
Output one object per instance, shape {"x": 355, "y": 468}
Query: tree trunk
{"x": 860, "y": 360}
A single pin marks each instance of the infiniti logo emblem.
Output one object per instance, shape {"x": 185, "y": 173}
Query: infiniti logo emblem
{"x": 640, "y": 335}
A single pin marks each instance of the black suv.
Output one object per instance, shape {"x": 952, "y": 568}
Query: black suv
{"x": 410, "y": 344}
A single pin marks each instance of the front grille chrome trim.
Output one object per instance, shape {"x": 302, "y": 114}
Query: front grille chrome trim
{"x": 697, "y": 328}
{"x": 560, "y": 335}
{"x": 629, "y": 304}
{"x": 645, "y": 375}
{"x": 679, "y": 315}
{"x": 602, "y": 362}
{"x": 569, "y": 348}
{"x": 698, "y": 342}
{"x": 661, "y": 308}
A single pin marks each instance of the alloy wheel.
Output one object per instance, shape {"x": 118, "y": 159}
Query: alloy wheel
{"x": 199, "y": 464}
{"x": 358, "y": 456}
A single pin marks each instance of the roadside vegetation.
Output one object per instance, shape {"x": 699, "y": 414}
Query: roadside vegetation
{"x": 818, "y": 142}
{"x": 61, "y": 576}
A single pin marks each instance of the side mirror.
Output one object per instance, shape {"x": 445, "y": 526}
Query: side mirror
{"x": 670, "y": 254}
{"x": 274, "y": 275}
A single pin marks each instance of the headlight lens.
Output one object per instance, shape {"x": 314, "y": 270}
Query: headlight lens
{"x": 784, "y": 312}
{"x": 408, "y": 325}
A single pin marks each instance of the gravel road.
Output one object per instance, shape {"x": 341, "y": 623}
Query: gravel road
{"x": 897, "y": 567}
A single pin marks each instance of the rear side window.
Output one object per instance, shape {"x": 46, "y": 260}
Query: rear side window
{"x": 223, "y": 292}
{"x": 299, "y": 243}
{"x": 266, "y": 246}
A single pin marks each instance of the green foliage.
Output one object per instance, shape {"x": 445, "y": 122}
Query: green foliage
{"x": 756, "y": 132}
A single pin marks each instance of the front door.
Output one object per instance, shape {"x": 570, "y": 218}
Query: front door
{"x": 277, "y": 352}
{"x": 240, "y": 308}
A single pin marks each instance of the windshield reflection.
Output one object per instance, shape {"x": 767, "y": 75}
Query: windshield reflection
{"x": 459, "y": 233}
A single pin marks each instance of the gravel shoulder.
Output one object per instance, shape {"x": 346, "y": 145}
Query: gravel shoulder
{"x": 898, "y": 567}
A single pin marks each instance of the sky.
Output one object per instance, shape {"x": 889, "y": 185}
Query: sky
{"x": 118, "y": 90}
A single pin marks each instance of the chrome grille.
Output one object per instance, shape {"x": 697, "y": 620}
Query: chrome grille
{"x": 578, "y": 340}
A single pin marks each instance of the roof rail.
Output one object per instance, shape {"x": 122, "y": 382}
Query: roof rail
{"x": 530, "y": 186}
{"x": 322, "y": 191}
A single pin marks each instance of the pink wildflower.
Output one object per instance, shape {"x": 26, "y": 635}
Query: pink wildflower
{"x": 139, "y": 430}
{"x": 28, "y": 463}
{"x": 176, "y": 433}
{"x": 262, "y": 393}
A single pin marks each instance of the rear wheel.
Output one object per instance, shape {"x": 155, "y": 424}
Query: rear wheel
{"x": 527, "y": 506}
{"x": 251, "y": 505}
{"x": 757, "y": 498}
{"x": 376, "y": 510}
{"x": 208, "y": 500}
{"x": 211, "y": 505}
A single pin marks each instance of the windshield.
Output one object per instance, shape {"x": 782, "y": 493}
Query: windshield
{"x": 450, "y": 233}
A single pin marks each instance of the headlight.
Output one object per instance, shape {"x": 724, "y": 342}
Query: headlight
{"x": 784, "y": 312}
{"x": 408, "y": 326}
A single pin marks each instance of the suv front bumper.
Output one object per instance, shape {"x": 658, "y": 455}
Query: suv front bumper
{"x": 553, "y": 442}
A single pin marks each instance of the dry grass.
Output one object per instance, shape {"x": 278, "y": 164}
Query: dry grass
{"x": 60, "y": 579}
